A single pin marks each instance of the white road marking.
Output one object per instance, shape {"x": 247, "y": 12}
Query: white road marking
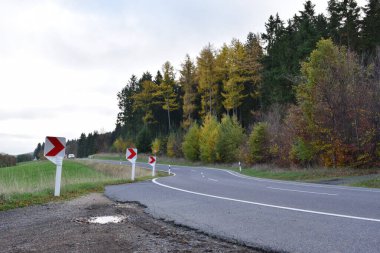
{"x": 268, "y": 205}
{"x": 321, "y": 193}
{"x": 348, "y": 188}
{"x": 213, "y": 180}
{"x": 302, "y": 184}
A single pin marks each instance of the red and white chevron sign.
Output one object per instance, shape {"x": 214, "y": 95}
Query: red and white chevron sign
{"x": 152, "y": 160}
{"x": 54, "y": 147}
{"x": 131, "y": 154}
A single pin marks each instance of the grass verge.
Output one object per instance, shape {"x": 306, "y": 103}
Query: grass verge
{"x": 33, "y": 182}
{"x": 270, "y": 171}
{"x": 372, "y": 183}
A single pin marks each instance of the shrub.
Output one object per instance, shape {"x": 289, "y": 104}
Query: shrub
{"x": 303, "y": 151}
{"x": 258, "y": 143}
{"x": 174, "y": 145}
{"x": 190, "y": 145}
{"x": 156, "y": 146}
{"x": 170, "y": 146}
{"x": 207, "y": 139}
{"x": 229, "y": 138}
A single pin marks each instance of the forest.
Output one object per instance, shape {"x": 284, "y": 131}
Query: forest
{"x": 306, "y": 92}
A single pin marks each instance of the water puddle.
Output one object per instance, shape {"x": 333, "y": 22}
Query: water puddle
{"x": 101, "y": 219}
{"x": 106, "y": 219}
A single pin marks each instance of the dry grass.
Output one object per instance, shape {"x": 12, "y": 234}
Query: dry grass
{"x": 121, "y": 171}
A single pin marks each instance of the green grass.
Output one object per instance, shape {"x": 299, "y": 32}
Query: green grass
{"x": 307, "y": 175}
{"x": 372, "y": 183}
{"x": 33, "y": 182}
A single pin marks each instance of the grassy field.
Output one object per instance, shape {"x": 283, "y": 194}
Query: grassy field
{"x": 33, "y": 182}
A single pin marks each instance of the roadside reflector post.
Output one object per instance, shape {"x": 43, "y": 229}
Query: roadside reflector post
{"x": 152, "y": 162}
{"x": 131, "y": 155}
{"x": 58, "y": 176}
{"x": 169, "y": 170}
{"x": 54, "y": 151}
{"x": 133, "y": 171}
{"x": 239, "y": 166}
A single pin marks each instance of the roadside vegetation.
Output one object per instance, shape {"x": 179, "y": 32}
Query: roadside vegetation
{"x": 33, "y": 182}
{"x": 271, "y": 171}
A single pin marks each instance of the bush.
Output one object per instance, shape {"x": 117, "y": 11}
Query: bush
{"x": 174, "y": 145}
{"x": 156, "y": 146}
{"x": 303, "y": 151}
{"x": 229, "y": 138}
{"x": 190, "y": 145}
{"x": 258, "y": 143}
{"x": 144, "y": 140}
{"x": 208, "y": 137}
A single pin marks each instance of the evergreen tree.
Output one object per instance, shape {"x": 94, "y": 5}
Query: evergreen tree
{"x": 127, "y": 118}
{"x": 351, "y": 25}
{"x": 234, "y": 86}
{"x": 145, "y": 100}
{"x": 158, "y": 78}
{"x": 371, "y": 27}
{"x": 229, "y": 139}
{"x": 189, "y": 84}
{"x": 167, "y": 91}
{"x": 206, "y": 78}
{"x": 82, "y": 146}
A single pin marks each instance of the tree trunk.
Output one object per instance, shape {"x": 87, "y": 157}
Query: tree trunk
{"x": 167, "y": 104}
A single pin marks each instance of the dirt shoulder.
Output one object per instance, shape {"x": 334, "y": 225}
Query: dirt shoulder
{"x": 63, "y": 227}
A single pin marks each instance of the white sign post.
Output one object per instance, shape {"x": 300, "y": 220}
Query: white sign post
{"x": 132, "y": 157}
{"x": 55, "y": 151}
{"x": 152, "y": 162}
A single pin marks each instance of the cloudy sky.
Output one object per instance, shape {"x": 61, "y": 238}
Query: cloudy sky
{"x": 62, "y": 62}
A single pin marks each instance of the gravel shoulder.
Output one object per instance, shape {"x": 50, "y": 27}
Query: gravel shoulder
{"x": 63, "y": 227}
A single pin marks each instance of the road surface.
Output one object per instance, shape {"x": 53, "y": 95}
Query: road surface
{"x": 267, "y": 214}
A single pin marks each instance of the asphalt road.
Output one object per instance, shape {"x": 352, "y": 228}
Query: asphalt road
{"x": 268, "y": 214}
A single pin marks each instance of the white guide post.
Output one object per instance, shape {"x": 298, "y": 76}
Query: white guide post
{"x": 58, "y": 176}
{"x": 133, "y": 171}
{"x": 132, "y": 157}
{"x": 152, "y": 162}
{"x": 55, "y": 151}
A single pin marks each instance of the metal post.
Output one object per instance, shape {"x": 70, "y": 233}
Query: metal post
{"x": 154, "y": 171}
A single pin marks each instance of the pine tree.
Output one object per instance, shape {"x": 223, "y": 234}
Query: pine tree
{"x": 145, "y": 100}
{"x": 167, "y": 90}
{"x": 188, "y": 82}
{"x": 234, "y": 86}
{"x": 371, "y": 27}
{"x": 207, "y": 80}
{"x": 351, "y": 25}
{"x": 127, "y": 117}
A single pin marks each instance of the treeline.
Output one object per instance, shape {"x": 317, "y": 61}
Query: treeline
{"x": 7, "y": 160}
{"x": 296, "y": 105}
{"x": 304, "y": 92}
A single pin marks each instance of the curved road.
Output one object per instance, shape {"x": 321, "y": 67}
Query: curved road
{"x": 267, "y": 214}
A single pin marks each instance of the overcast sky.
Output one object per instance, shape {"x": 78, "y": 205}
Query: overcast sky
{"x": 62, "y": 62}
